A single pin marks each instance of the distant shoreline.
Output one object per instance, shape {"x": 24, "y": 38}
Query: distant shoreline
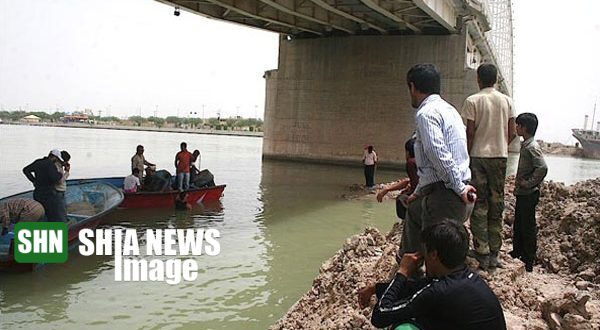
{"x": 140, "y": 128}
{"x": 559, "y": 149}
{"x": 555, "y": 149}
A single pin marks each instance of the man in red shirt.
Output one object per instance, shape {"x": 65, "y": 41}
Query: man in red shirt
{"x": 183, "y": 160}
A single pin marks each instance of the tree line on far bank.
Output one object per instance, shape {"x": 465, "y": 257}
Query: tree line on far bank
{"x": 251, "y": 124}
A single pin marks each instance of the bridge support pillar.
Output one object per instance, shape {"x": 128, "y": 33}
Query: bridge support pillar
{"x": 331, "y": 96}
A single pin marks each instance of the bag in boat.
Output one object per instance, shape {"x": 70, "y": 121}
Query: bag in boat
{"x": 160, "y": 181}
{"x": 203, "y": 179}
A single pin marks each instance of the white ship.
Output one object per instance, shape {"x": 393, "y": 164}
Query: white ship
{"x": 589, "y": 138}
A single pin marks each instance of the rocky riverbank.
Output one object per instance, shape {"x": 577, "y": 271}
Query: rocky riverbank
{"x": 560, "y": 149}
{"x": 563, "y": 291}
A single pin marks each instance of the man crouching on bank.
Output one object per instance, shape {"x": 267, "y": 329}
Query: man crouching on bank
{"x": 450, "y": 297}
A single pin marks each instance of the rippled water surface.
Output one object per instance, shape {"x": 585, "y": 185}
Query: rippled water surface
{"x": 278, "y": 221}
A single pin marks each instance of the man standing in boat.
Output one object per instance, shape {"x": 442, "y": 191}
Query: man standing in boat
{"x": 45, "y": 176}
{"x": 183, "y": 161}
{"x": 138, "y": 161}
{"x": 195, "y": 170}
{"x": 64, "y": 168}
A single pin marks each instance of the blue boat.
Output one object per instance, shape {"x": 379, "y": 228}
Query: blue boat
{"x": 87, "y": 203}
{"x": 116, "y": 181}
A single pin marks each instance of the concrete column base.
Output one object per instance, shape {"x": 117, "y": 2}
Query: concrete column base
{"x": 332, "y": 96}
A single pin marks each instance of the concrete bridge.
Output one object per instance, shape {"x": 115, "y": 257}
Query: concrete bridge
{"x": 340, "y": 82}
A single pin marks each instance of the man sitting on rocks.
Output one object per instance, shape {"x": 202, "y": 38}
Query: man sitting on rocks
{"x": 450, "y": 297}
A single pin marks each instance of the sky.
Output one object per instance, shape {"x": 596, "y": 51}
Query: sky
{"x": 134, "y": 57}
{"x": 557, "y": 63}
{"x": 129, "y": 57}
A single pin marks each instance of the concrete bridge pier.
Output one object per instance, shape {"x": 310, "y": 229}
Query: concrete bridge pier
{"x": 331, "y": 96}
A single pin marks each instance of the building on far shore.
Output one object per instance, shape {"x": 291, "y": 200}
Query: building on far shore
{"x": 31, "y": 119}
{"x": 76, "y": 118}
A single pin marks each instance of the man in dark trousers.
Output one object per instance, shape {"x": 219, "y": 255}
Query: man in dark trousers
{"x": 45, "y": 176}
{"x": 531, "y": 172}
{"x": 450, "y": 297}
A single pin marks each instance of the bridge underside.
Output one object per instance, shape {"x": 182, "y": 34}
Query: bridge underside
{"x": 317, "y": 18}
{"x": 340, "y": 82}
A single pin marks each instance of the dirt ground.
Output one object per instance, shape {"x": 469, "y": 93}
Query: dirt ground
{"x": 563, "y": 291}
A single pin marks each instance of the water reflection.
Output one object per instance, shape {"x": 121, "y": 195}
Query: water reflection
{"x": 21, "y": 292}
{"x": 82, "y": 292}
{"x": 306, "y": 221}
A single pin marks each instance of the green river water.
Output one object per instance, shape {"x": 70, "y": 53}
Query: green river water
{"x": 278, "y": 222}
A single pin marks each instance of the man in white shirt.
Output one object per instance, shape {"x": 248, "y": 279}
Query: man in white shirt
{"x": 490, "y": 119}
{"x": 442, "y": 159}
{"x": 370, "y": 161}
{"x": 131, "y": 183}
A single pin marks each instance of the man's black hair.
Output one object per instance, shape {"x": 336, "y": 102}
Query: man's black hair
{"x": 135, "y": 170}
{"x": 529, "y": 121}
{"x": 183, "y": 145}
{"x": 487, "y": 74}
{"x": 425, "y": 77}
{"x": 409, "y": 146}
{"x": 139, "y": 146}
{"x": 65, "y": 156}
{"x": 450, "y": 240}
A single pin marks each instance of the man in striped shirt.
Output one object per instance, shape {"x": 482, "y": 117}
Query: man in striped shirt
{"x": 442, "y": 159}
{"x": 17, "y": 210}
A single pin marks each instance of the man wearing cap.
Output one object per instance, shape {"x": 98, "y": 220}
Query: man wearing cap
{"x": 45, "y": 176}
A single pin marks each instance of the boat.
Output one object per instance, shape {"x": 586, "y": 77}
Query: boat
{"x": 590, "y": 142}
{"x": 87, "y": 203}
{"x": 589, "y": 138}
{"x": 164, "y": 199}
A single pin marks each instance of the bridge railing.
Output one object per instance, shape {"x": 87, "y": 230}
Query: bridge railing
{"x": 500, "y": 37}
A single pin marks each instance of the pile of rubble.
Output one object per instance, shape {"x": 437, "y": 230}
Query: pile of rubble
{"x": 569, "y": 229}
{"x": 561, "y": 293}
